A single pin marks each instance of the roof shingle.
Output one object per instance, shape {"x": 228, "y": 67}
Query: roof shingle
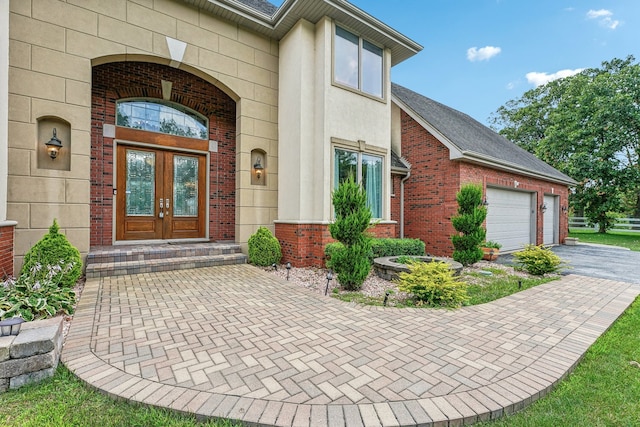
{"x": 472, "y": 138}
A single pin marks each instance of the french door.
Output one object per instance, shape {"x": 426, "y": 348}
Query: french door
{"x": 160, "y": 194}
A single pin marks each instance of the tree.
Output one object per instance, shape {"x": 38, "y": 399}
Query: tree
{"x": 587, "y": 126}
{"x": 353, "y": 218}
{"x": 468, "y": 224}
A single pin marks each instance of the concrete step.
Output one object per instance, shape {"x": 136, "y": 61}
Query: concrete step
{"x": 122, "y": 260}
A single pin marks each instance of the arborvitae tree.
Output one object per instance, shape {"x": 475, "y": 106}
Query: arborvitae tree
{"x": 353, "y": 217}
{"x": 468, "y": 224}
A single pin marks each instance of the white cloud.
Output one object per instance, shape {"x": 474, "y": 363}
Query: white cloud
{"x": 482, "y": 54}
{"x": 604, "y": 17}
{"x": 538, "y": 79}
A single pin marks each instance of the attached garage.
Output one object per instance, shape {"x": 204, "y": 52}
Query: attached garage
{"x": 510, "y": 218}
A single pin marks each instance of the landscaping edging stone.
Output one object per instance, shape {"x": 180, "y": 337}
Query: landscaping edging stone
{"x": 388, "y": 269}
{"x": 32, "y": 355}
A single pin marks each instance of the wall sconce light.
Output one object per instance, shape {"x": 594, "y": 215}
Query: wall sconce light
{"x": 258, "y": 168}
{"x": 564, "y": 209}
{"x": 485, "y": 203}
{"x": 54, "y": 145}
{"x": 543, "y": 207}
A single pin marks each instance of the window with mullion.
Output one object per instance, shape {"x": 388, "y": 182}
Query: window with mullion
{"x": 366, "y": 169}
{"x": 358, "y": 63}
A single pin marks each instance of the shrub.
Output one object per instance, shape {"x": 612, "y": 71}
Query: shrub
{"x": 264, "y": 248}
{"x": 491, "y": 244}
{"x": 406, "y": 259}
{"x": 382, "y": 247}
{"x": 53, "y": 249}
{"x": 353, "y": 217}
{"x": 393, "y": 247}
{"x": 36, "y": 296}
{"x": 434, "y": 284}
{"x": 468, "y": 224}
{"x": 538, "y": 260}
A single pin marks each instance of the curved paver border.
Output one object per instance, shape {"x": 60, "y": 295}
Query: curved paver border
{"x": 601, "y": 301}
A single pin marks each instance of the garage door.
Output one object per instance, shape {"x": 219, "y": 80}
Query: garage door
{"x": 550, "y": 218}
{"x": 509, "y": 218}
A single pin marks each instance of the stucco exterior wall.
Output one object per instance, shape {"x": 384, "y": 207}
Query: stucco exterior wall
{"x": 53, "y": 46}
{"x": 313, "y": 111}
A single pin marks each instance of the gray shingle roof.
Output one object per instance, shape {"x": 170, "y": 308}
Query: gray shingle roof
{"x": 472, "y": 139}
{"x": 260, "y": 5}
{"x": 399, "y": 163}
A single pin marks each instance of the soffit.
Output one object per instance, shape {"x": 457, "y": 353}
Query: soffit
{"x": 291, "y": 11}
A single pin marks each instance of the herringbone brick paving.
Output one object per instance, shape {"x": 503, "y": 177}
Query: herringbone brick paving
{"x": 236, "y": 342}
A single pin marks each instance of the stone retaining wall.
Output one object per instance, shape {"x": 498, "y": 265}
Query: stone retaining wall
{"x": 32, "y": 355}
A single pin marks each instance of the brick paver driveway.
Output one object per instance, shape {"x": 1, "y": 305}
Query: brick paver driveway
{"x": 236, "y": 342}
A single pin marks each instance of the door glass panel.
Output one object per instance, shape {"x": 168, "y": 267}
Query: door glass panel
{"x": 140, "y": 185}
{"x": 185, "y": 186}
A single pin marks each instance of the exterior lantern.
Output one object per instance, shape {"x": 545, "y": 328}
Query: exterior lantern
{"x": 54, "y": 145}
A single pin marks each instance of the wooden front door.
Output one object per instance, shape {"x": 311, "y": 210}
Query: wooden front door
{"x": 160, "y": 194}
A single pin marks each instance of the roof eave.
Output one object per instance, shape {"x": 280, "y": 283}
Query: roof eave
{"x": 291, "y": 11}
{"x": 474, "y": 157}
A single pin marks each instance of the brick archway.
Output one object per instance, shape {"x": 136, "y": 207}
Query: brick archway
{"x": 120, "y": 80}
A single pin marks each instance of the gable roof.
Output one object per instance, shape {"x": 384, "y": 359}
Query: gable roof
{"x": 468, "y": 139}
{"x": 275, "y": 22}
{"x": 261, "y": 6}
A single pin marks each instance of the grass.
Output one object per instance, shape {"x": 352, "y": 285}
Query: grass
{"x": 604, "y": 390}
{"x": 482, "y": 289}
{"x": 621, "y": 238}
{"x": 490, "y": 288}
{"x": 66, "y": 401}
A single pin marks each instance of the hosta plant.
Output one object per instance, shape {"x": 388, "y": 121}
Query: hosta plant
{"x": 37, "y": 294}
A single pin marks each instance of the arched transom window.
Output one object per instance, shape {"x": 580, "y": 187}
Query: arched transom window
{"x": 163, "y": 117}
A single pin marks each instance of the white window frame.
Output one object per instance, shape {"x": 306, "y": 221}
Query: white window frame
{"x": 360, "y": 148}
{"x": 359, "y": 87}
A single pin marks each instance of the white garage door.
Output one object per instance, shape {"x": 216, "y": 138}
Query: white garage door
{"x": 509, "y": 218}
{"x": 550, "y": 218}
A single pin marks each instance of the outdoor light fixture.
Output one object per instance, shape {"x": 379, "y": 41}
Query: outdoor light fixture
{"x": 543, "y": 207}
{"x": 485, "y": 203}
{"x": 11, "y": 326}
{"x": 258, "y": 168}
{"x": 564, "y": 209}
{"x": 329, "y": 278}
{"x": 288, "y": 269}
{"x": 54, "y": 145}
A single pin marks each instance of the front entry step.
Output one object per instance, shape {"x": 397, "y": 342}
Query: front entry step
{"x": 123, "y": 260}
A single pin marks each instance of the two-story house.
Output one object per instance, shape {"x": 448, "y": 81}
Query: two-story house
{"x": 154, "y": 121}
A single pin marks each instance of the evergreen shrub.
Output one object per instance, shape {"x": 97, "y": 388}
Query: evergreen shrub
{"x": 468, "y": 224}
{"x": 433, "y": 283}
{"x": 53, "y": 249}
{"x": 264, "y": 248}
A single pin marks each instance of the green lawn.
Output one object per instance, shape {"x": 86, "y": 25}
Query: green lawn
{"x": 604, "y": 390}
{"x": 624, "y": 239}
{"x": 65, "y": 401}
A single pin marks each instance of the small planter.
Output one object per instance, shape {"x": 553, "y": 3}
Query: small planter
{"x": 490, "y": 254}
{"x": 11, "y": 326}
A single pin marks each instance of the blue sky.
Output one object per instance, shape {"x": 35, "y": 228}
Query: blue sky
{"x": 479, "y": 54}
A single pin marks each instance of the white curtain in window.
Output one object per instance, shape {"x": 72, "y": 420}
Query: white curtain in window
{"x": 372, "y": 181}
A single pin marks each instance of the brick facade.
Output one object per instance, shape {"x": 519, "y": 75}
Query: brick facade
{"x": 120, "y": 80}
{"x": 6, "y": 250}
{"x": 303, "y": 244}
{"x": 430, "y": 192}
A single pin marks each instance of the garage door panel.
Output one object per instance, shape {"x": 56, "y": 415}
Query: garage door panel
{"x": 509, "y": 218}
{"x": 550, "y": 220}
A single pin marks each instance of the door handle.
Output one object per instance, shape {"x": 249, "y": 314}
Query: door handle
{"x": 166, "y": 203}
{"x": 161, "y": 204}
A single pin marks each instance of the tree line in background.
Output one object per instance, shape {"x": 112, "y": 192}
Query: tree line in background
{"x": 588, "y": 127}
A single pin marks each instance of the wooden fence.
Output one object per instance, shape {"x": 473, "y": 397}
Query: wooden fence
{"x": 622, "y": 224}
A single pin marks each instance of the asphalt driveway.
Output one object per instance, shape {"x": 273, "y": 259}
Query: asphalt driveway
{"x": 605, "y": 262}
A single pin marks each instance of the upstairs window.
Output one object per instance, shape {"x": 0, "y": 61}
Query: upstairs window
{"x": 358, "y": 63}
{"x": 163, "y": 117}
